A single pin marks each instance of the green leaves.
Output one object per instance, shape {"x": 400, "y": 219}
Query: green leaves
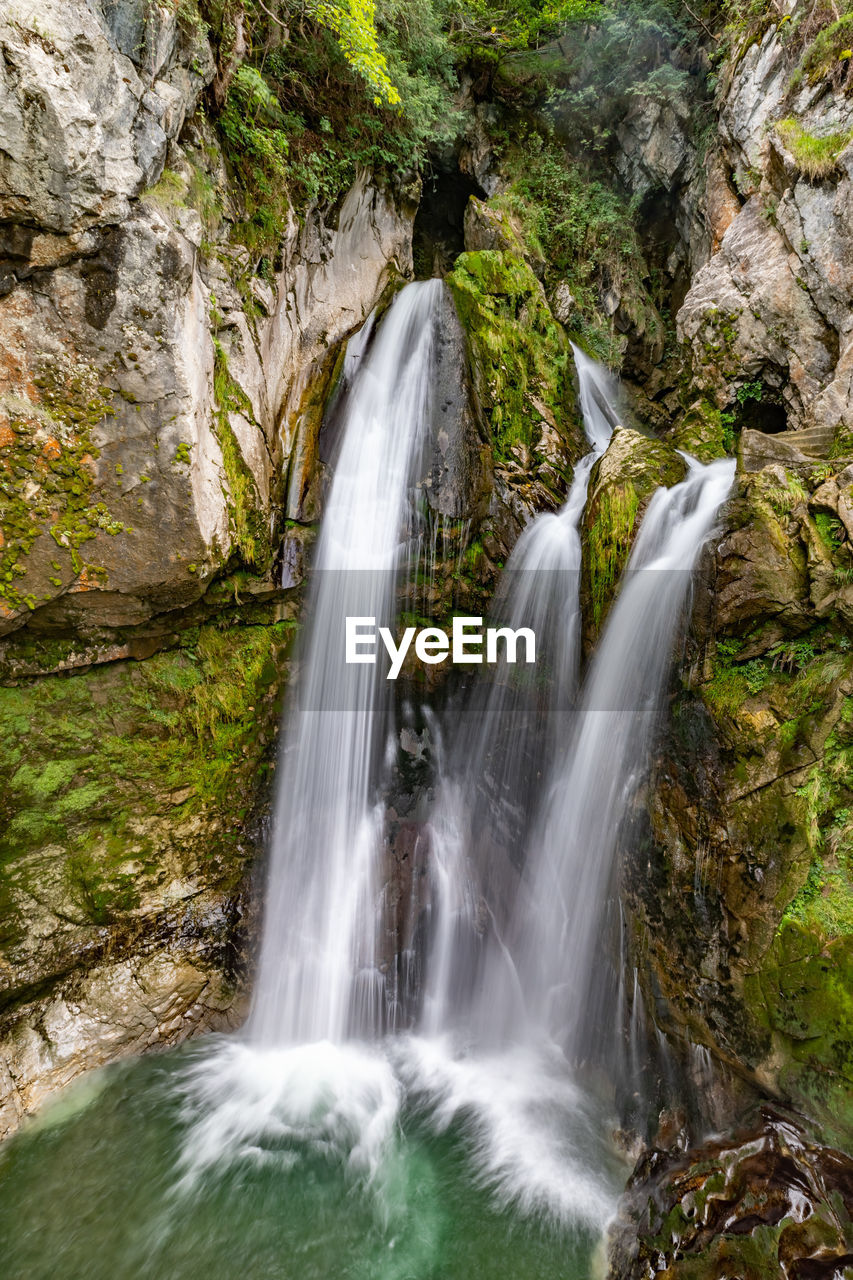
{"x": 524, "y": 24}
{"x": 353, "y": 23}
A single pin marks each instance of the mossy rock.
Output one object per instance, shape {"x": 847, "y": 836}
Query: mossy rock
{"x": 701, "y": 433}
{"x": 621, "y": 485}
{"x": 125, "y": 786}
{"x": 489, "y": 227}
{"x": 805, "y": 993}
{"x": 520, "y": 354}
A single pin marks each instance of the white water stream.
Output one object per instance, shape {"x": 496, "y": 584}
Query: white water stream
{"x": 490, "y": 779}
{"x": 319, "y": 975}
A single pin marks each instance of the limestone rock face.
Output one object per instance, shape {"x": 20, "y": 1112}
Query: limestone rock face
{"x": 127, "y": 481}
{"x": 109, "y": 1012}
{"x": 658, "y": 162}
{"x": 746, "y": 317}
{"x": 331, "y": 280}
{"x": 90, "y": 97}
{"x": 107, "y": 404}
{"x": 774, "y": 305}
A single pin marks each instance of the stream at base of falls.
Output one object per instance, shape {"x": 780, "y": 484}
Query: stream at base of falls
{"x": 394, "y": 1163}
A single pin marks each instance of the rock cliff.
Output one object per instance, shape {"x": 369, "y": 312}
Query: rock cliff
{"x": 746, "y": 923}
{"x": 153, "y": 386}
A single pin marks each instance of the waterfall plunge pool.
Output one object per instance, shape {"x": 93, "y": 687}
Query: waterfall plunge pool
{"x": 220, "y": 1160}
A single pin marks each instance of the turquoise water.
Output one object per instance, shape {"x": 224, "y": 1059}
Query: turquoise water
{"x": 101, "y": 1187}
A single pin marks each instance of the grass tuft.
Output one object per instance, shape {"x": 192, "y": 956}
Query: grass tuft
{"x": 815, "y": 157}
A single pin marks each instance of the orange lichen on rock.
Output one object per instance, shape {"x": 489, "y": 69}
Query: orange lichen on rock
{"x": 87, "y": 581}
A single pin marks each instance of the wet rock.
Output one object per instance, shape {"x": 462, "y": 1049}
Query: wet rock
{"x": 460, "y": 479}
{"x": 767, "y": 1202}
{"x": 110, "y": 1011}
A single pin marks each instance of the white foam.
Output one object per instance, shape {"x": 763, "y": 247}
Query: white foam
{"x": 530, "y": 1134}
{"x": 532, "y": 1138}
{"x": 243, "y": 1101}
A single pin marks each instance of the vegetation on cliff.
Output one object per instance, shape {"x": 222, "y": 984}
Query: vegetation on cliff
{"x": 117, "y": 782}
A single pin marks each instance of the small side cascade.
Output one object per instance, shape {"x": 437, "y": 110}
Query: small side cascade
{"x": 488, "y": 783}
{"x": 593, "y": 780}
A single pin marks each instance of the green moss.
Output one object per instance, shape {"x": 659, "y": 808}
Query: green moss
{"x": 830, "y": 50}
{"x": 91, "y": 764}
{"x": 608, "y": 543}
{"x": 47, "y": 474}
{"x": 520, "y": 354}
{"x": 816, "y": 157}
{"x": 251, "y": 528}
{"x": 732, "y": 682}
{"x": 169, "y": 191}
{"x": 583, "y": 233}
{"x": 778, "y": 499}
{"x": 831, "y": 530}
{"x": 806, "y": 985}
{"x": 622, "y": 481}
{"x": 701, "y": 432}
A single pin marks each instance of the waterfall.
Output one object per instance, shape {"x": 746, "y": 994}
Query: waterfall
{"x": 596, "y": 777}
{"x": 320, "y": 974}
{"x": 533, "y": 785}
{"x": 507, "y": 733}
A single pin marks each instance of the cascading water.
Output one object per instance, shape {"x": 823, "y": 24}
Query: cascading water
{"x": 272, "y": 1125}
{"x": 319, "y": 976}
{"x": 489, "y": 781}
{"x": 594, "y": 780}
{"x": 517, "y": 948}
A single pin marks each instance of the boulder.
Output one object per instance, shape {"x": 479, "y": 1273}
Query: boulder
{"x": 767, "y": 1201}
{"x": 621, "y": 484}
